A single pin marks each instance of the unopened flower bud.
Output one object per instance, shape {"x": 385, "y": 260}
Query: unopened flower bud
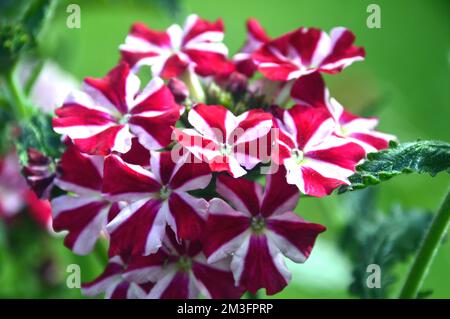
{"x": 178, "y": 89}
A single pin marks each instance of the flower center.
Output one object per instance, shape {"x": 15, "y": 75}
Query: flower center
{"x": 124, "y": 119}
{"x": 297, "y": 155}
{"x": 184, "y": 263}
{"x": 225, "y": 149}
{"x": 258, "y": 224}
{"x": 164, "y": 193}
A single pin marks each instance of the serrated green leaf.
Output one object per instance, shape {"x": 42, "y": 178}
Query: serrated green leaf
{"x": 420, "y": 157}
{"x": 383, "y": 240}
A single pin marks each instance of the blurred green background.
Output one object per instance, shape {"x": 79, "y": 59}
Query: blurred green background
{"x": 405, "y": 81}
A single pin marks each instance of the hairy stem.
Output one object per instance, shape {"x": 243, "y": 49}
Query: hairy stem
{"x": 427, "y": 251}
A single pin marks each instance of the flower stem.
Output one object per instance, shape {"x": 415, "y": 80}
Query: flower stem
{"x": 16, "y": 95}
{"x": 195, "y": 87}
{"x": 427, "y": 251}
{"x": 285, "y": 94}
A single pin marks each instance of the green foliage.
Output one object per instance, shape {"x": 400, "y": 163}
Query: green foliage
{"x": 38, "y": 133}
{"x": 420, "y": 157}
{"x": 18, "y": 36}
{"x": 372, "y": 237}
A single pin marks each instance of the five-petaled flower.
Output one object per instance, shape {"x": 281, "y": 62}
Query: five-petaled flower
{"x": 307, "y": 50}
{"x": 198, "y": 46}
{"x": 317, "y": 160}
{"x": 257, "y": 230}
{"x": 112, "y": 110}
{"x": 226, "y": 141}
{"x": 310, "y": 90}
{"x": 157, "y": 198}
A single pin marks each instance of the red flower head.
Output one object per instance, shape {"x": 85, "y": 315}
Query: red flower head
{"x": 112, "y": 110}
{"x": 257, "y": 230}
{"x": 224, "y": 140}
{"x": 169, "y": 53}
{"x": 305, "y": 51}
{"x": 311, "y": 91}
{"x": 317, "y": 160}
{"x": 156, "y": 198}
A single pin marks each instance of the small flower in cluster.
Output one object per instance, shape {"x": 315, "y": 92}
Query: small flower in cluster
{"x": 311, "y": 91}
{"x": 257, "y": 230}
{"x": 156, "y": 197}
{"x": 167, "y": 173}
{"x": 307, "y": 50}
{"x": 39, "y": 173}
{"x": 224, "y": 140}
{"x": 197, "y": 46}
{"x": 111, "y": 111}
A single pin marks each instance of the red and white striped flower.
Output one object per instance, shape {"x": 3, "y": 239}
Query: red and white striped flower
{"x": 84, "y": 212}
{"x": 311, "y": 91}
{"x": 197, "y": 46}
{"x": 307, "y": 50}
{"x": 157, "y": 198}
{"x": 317, "y": 160}
{"x": 256, "y": 38}
{"x": 258, "y": 229}
{"x": 180, "y": 271}
{"x": 120, "y": 281}
{"x": 112, "y": 110}
{"x": 224, "y": 140}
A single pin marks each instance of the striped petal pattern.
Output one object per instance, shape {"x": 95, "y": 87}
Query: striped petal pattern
{"x": 257, "y": 231}
{"x": 110, "y": 111}
{"x": 185, "y": 273}
{"x": 83, "y": 213}
{"x": 307, "y": 50}
{"x": 316, "y": 160}
{"x": 225, "y": 141}
{"x": 310, "y": 90}
{"x": 256, "y": 38}
{"x": 157, "y": 197}
{"x": 198, "y": 45}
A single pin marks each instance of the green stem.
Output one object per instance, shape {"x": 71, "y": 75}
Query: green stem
{"x": 16, "y": 95}
{"x": 34, "y": 76}
{"x": 284, "y": 95}
{"x": 427, "y": 251}
{"x": 195, "y": 87}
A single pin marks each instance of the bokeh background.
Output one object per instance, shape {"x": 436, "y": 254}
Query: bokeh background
{"x": 405, "y": 81}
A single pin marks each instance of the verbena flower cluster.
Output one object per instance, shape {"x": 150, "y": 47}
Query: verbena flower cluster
{"x": 193, "y": 177}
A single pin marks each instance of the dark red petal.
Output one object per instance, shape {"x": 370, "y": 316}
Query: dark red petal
{"x": 259, "y": 269}
{"x": 113, "y": 86}
{"x": 121, "y": 179}
{"x": 219, "y": 283}
{"x": 243, "y": 194}
{"x": 279, "y": 194}
{"x": 79, "y": 169}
